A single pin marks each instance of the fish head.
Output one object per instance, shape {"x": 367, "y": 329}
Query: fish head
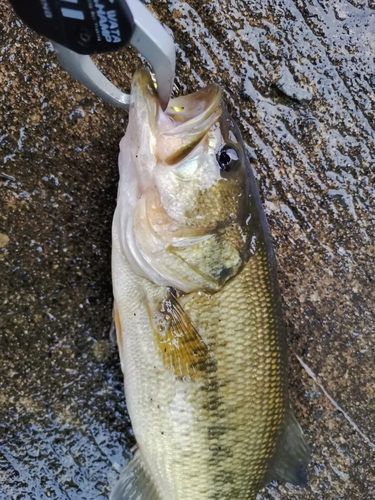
{"x": 183, "y": 189}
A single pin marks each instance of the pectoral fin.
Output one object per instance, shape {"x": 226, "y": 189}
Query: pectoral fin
{"x": 134, "y": 483}
{"x": 180, "y": 345}
{"x": 292, "y": 456}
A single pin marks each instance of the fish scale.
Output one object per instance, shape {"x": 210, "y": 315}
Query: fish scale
{"x": 241, "y": 326}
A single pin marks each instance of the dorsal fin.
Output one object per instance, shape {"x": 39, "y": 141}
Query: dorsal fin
{"x": 134, "y": 483}
{"x": 292, "y": 456}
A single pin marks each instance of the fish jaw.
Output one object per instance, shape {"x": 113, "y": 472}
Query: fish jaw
{"x": 159, "y": 137}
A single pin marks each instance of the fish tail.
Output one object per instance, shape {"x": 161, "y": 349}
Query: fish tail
{"x": 134, "y": 483}
{"x": 293, "y": 455}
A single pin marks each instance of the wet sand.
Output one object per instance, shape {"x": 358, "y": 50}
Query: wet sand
{"x": 300, "y": 80}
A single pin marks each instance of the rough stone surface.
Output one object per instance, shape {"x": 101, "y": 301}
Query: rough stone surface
{"x": 299, "y": 77}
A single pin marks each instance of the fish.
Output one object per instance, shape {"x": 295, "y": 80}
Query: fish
{"x": 198, "y": 314}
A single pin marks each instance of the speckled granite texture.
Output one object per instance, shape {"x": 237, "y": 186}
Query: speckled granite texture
{"x": 299, "y": 77}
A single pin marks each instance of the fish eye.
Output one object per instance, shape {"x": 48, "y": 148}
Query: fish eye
{"x": 227, "y": 158}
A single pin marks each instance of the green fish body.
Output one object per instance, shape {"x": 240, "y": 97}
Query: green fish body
{"x": 198, "y": 309}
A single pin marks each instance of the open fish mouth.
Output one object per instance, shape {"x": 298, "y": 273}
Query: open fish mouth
{"x": 184, "y": 112}
{"x": 181, "y": 127}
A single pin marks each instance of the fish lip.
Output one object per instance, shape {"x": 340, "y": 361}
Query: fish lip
{"x": 144, "y": 96}
{"x": 196, "y": 107}
{"x": 183, "y": 113}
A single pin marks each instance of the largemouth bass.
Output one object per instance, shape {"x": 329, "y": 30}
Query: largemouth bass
{"x": 197, "y": 309}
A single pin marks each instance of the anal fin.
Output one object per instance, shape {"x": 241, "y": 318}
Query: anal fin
{"x": 292, "y": 456}
{"x": 134, "y": 483}
{"x": 115, "y": 332}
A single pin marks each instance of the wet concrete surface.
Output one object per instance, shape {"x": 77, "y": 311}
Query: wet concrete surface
{"x": 300, "y": 79}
